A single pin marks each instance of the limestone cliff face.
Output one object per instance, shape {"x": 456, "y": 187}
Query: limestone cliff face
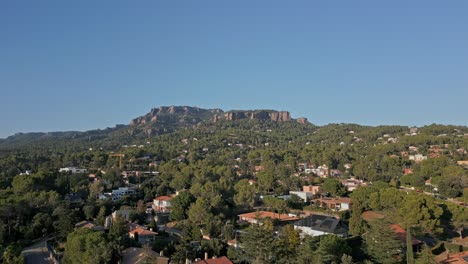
{"x": 276, "y": 116}
{"x": 188, "y": 116}
{"x": 175, "y": 114}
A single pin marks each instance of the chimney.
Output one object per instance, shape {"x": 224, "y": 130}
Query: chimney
{"x": 206, "y": 255}
{"x": 161, "y": 253}
{"x": 187, "y": 261}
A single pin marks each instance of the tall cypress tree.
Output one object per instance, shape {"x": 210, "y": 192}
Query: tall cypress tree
{"x": 409, "y": 247}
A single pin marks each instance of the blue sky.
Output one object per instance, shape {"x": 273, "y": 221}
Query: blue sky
{"x": 79, "y": 65}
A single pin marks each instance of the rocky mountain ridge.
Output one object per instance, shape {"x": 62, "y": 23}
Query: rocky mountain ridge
{"x": 158, "y": 121}
{"x": 194, "y": 115}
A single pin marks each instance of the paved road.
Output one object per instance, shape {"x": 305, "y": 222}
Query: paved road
{"x": 37, "y": 253}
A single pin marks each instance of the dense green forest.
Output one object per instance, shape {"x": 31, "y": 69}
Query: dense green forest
{"x": 213, "y": 162}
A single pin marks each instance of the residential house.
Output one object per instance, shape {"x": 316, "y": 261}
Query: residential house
{"x": 305, "y": 196}
{"x": 122, "y": 212}
{"x": 257, "y": 217}
{"x": 122, "y": 191}
{"x": 132, "y": 226}
{"x": 317, "y": 225}
{"x": 314, "y": 189}
{"x": 413, "y": 130}
{"x": 413, "y": 148}
{"x": 322, "y": 171}
{"x": 143, "y": 236}
{"x": 336, "y": 173}
{"x": 134, "y": 255}
{"x": 73, "y": 170}
{"x": 89, "y": 225}
{"x": 417, "y": 157}
{"x": 352, "y": 184}
{"x": 338, "y": 204}
{"x": 162, "y": 204}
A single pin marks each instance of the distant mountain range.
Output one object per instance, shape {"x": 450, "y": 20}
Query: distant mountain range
{"x": 162, "y": 120}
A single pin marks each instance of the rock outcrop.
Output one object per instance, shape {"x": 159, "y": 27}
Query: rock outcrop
{"x": 276, "y": 116}
{"x": 187, "y": 115}
{"x": 175, "y": 114}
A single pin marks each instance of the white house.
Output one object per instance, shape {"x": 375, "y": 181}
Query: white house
{"x": 417, "y": 157}
{"x": 162, "y": 204}
{"x": 305, "y": 196}
{"x": 122, "y": 191}
{"x": 73, "y": 170}
{"x": 117, "y": 194}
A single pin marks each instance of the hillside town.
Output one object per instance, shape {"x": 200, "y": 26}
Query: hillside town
{"x": 253, "y": 209}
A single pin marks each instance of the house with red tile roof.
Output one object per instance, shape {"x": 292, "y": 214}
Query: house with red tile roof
{"x": 143, "y": 236}
{"x": 454, "y": 258}
{"x": 162, "y": 204}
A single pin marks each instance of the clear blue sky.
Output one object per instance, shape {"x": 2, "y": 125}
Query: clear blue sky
{"x": 79, "y": 65}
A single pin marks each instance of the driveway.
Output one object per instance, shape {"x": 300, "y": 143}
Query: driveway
{"x": 37, "y": 253}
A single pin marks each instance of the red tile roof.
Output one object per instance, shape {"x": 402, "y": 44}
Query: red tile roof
{"x": 458, "y": 258}
{"x": 221, "y": 260}
{"x": 163, "y": 198}
{"x": 401, "y": 234}
{"x": 142, "y": 231}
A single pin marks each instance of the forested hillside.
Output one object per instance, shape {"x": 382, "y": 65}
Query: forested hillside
{"x": 224, "y": 165}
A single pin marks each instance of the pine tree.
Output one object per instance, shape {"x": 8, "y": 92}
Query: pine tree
{"x": 357, "y": 226}
{"x": 381, "y": 244}
{"x": 101, "y": 217}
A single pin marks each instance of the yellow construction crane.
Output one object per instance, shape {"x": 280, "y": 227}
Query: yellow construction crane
{"x": 120, "y": 158}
